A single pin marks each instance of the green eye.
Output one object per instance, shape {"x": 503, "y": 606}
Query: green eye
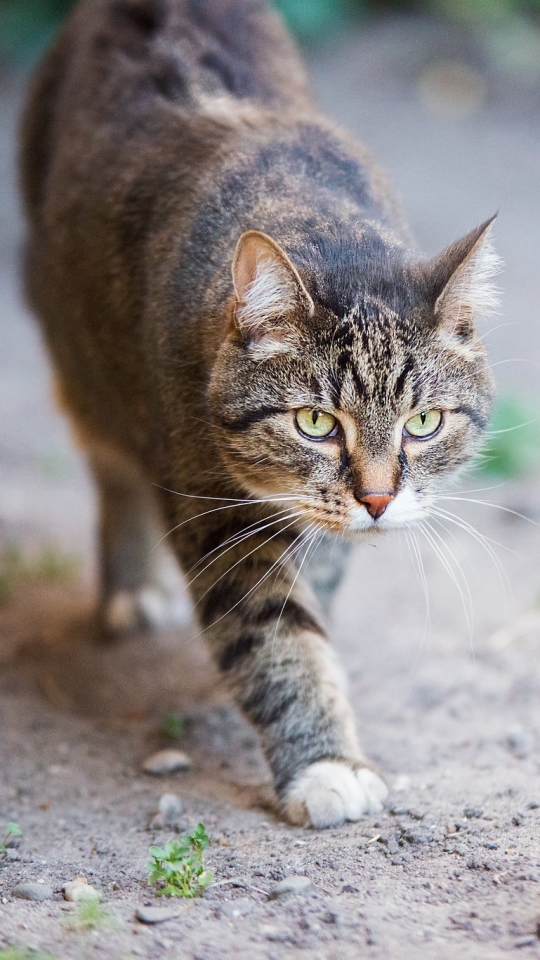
{"x": 424, "y": 424}
{"x": 315, "y": 424}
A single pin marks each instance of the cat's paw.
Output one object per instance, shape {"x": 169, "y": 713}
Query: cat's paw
{"x": 149, "y": 608}
{"x": 329, "y": 792}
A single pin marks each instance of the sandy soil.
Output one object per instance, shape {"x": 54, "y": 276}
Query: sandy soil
{"x": 448, "y": 705}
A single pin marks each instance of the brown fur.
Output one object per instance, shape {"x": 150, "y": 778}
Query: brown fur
{"x": 160, "y": 137}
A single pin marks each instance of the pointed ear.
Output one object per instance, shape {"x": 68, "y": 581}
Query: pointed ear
{"x": 267, "y": 288}
{"x": 460, "y": 279}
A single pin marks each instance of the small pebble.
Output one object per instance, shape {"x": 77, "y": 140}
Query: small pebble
{"x": 290, "y": 887}
{"x": 237, "y": 908}
{"x": 275, "y": 934}
{"x": 170, "y": 808}
{"x": 156, "y": 914}
{"x": 472, "y": 812}
{"x": 79, "y": 889}
{"x": 520, "y": 742}
{"x": 32, "y": 891}
{"x": 166, "y": 761}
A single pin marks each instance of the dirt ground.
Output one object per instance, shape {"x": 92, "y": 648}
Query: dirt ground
{"x": 447, "y": 698}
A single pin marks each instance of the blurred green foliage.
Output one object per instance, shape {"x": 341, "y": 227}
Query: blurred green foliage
{"x": 49, "y": 565}
{"x": 27, "y": 26}
{"x": 513, "y": 445}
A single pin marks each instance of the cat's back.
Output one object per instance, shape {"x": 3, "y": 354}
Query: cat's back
{"x": 135, "y": 73}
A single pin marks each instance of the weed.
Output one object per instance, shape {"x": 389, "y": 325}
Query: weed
{"x": 173, "y": 726}
{"x": 89, "y": 915}
{"x": 22, "y": 953}
{"x": 180, "y": 865}
{"x": 50, "y": 565}
{"x": 13, "y": 830}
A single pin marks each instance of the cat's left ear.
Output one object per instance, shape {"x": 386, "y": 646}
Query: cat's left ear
{"x": 461, "y": 281}
{"x": 268, "y": 288}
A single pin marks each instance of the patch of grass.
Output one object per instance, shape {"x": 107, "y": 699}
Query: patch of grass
{"x": 179, "y": 866}
{"x": 23, "y": 953}
{"x": 513, "y": 445}
{"x": 173, "y": 726}
{"x": 54, "y": 566}
{"x": 90, "y": 915}
{"x": 12, "y": 830}
{"x": 50, "y": 565}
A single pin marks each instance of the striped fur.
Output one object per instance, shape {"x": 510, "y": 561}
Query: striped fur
{"x": 207, "y": 255}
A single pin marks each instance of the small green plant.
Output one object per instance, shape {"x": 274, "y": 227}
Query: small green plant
{"x": 173, "y": 726}
{"x": 89, "y": 915}
{"x": 12, "y": 830}
{"x": 179, "y": 865}
{"x": 50, "y": 565}
{"x": 23, "y": 953}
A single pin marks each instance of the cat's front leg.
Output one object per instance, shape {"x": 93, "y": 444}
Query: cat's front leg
{"x": 270, "y": 643}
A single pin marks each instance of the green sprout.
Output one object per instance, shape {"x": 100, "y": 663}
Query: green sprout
{"x": 23, "y": 953}
{"x": 13, "y": 830}
{"x": 49, "y": 566}
{"x": 179, "y": 866}
{"x": 173, "y": 726}
{"x": 90, "y": 915}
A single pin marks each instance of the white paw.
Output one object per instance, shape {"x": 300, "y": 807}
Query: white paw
{"x": 329, "y": 792}
{"x": 147, "y": 608}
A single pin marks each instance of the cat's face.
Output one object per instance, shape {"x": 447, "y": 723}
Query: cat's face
{"x": 360, "y": 419}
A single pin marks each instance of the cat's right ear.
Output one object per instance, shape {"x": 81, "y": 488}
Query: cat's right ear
{"x": 268, "y": 290}
{"x": 461, "y": 281}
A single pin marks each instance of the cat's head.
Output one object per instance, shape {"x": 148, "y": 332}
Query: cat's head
{"x": 361, "y": 413}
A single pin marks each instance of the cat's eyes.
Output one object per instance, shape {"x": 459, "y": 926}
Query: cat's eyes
{"x": 315, "y": 424}
{"x": 423, "y": 424}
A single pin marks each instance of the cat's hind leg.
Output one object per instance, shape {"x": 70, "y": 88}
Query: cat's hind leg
{"x": 141, "y": 587}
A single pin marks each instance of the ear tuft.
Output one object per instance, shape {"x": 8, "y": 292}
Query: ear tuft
{"x": 267, "y": 288}
{"x": 463, "y": 286}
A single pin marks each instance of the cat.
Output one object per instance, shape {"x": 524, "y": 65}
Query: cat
{"x": 249, "y": 351}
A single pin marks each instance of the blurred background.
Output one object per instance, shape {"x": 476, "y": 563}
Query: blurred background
{"x": 446, "y": 93}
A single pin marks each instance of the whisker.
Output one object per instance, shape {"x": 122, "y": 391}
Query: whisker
{"x": 198, "y": 516}
{"x": 460, "y": 521}
{"x": 311, "y": 540}
{"x": 465, "y": 595}
{"x": 259, "y": 583}
{"x": 194, "y": 496}
{"x": 496, "y": 506}
{"x": 244, "y": 556}
{"x": 483, "y": 541}
{"x": 414, "y": 549}
{"x": 238, "y": 536}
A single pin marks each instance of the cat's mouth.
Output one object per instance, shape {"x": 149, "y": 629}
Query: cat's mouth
{"x": 403, "y": 510}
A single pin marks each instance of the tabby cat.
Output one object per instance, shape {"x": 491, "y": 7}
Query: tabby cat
{"x": 250, "y": 353}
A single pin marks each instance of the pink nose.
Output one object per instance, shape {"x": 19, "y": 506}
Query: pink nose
{"x": 376, "y": 503}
